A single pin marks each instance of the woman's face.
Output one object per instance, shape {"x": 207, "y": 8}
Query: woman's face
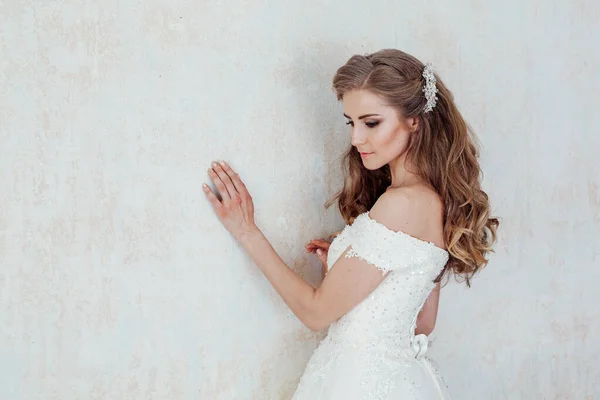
{"x": 377, "y": 132}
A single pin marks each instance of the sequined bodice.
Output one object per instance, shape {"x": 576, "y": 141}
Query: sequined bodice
{"x": 386, "y": 319}
{"x": 374, "y": 343}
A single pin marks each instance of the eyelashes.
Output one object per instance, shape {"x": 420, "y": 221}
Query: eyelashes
{"x": 369, "y": 124}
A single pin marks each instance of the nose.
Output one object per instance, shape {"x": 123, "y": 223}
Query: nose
{"x": 357, "y": 138}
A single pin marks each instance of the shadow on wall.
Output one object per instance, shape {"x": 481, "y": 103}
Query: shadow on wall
{"x": 309, "y": 76}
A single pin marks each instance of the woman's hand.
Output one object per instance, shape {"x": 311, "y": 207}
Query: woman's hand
{"x": 320, "y": 247}
{"x": 236, "y": 209}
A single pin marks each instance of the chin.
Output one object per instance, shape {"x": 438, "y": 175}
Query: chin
{"x": 371, "y": 163}
{"x": 370, "y": 166}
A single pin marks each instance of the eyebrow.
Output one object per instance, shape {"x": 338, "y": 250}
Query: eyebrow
{"x": 363, "y": 116}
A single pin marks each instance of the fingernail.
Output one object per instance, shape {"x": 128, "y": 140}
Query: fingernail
{"x": 319, "y": 252}
{"x": 214, "y": 164}
{"x": 222, "y": 162}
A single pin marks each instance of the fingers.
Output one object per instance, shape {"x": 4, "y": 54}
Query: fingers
{"x": 315, "y": 244}
{"x": 240, "y": 187}
{"x": 218, "y": 183}
{"x": 320, "y": 243}
{"x": 223, "y": 181}
{"x": 311, "y": 247}
{"x": 211, "y": 197}
{"x": 318, "y": 251}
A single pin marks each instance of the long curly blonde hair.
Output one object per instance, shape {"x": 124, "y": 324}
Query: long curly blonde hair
{"x": 443, "y": 153}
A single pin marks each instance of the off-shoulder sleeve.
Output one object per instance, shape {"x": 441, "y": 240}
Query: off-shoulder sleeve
{"x": 390, "y": 250}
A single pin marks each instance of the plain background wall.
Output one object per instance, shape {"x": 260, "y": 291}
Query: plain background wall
{"x": 118, "y": 282}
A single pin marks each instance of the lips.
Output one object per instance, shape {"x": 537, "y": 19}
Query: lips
{"x": 364, "y": 154}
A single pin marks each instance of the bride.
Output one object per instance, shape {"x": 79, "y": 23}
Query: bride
{"x": 415, "y": 214}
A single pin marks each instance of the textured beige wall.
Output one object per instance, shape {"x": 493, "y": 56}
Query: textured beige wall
{"x": 116, "y": 279}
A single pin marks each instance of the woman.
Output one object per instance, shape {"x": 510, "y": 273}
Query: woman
{"x": 415, "y": 213}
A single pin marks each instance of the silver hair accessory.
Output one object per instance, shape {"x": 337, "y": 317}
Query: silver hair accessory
{"x": 430, "y": 89}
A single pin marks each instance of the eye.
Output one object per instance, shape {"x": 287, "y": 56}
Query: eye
{"x": 350, "y": 123}
{"x": 372, "y": 124}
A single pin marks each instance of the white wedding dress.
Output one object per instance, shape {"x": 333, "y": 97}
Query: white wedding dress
{"x": 372, "y": 353}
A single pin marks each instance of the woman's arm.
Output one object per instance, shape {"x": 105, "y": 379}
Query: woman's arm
{"x": 349, "y": 281}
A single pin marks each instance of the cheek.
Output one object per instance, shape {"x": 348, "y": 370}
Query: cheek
{"x": 390, "y": 142}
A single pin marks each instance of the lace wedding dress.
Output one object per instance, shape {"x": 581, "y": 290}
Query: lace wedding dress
{"x": 372, "y": 352}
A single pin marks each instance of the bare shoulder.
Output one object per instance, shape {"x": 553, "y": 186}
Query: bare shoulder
{"x": 415, "y": 210}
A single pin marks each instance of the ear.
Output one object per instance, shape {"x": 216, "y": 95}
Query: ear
{"x": 412, "y": 123}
